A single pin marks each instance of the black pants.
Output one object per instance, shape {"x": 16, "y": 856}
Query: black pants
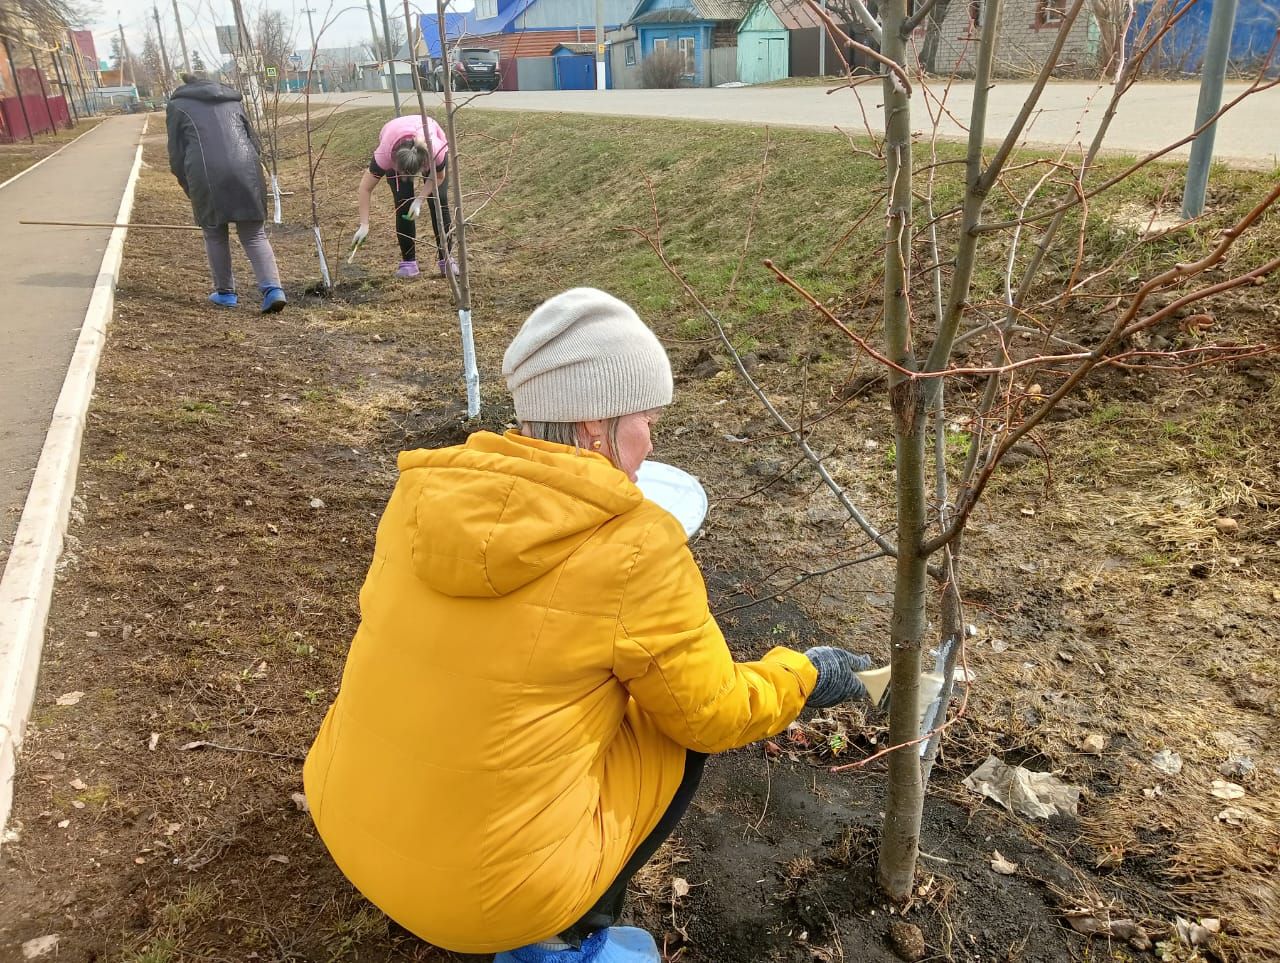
{"x": 608, "y": 908}
{"x": 406, "y": 230}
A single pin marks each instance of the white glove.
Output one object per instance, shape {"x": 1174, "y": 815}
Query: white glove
{"x": 414, "y": 210}
{"x": 357, "y": 239}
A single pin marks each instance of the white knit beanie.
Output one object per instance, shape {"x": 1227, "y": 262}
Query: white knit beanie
{"x": 585, "y": 356}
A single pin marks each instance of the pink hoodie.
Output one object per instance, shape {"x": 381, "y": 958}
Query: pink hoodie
{"x": 394, "y": 131}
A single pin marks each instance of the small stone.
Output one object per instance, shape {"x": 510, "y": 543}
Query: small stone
{"x": 64, "y": 823}
{"x": 40, "y": 946}
{"x": 1226, "y": 526}
{"x": 1237, "y": 767}
{"x": 69, "y": 698}
{"x": 78, "y": 785}
{"x": 907, "y": 941}
{"x": 1167, "y": 761}
{"x": 1093, "y": 743}
{"x": 140, "y": 860}
{"x": 316, "y": 503}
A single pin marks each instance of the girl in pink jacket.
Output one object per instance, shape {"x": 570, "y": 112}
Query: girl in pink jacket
{"x": 405, "y": 150}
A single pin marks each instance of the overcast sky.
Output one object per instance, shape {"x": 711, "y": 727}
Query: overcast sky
{"x": 349, "y": 22}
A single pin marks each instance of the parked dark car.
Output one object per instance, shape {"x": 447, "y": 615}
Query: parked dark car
{"x": 472, "y": 68}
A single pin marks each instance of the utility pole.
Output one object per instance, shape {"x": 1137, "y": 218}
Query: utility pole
{"x": 602, "y": 71}
{"x": 164, "y": 54}
{"x": 1221, "y": 21}
{"x": 373, "y": 30}
{"x": 22, "y": 104}
{"x": 124, "y": 57}
{"x": 822, "y": 45}
{"x": 182, "y": 39}
{"x": 250, "y": 69}
{"x": 312, "y": 69}
{"x": 391, "y": 65}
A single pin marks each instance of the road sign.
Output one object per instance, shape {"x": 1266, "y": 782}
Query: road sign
{"x": 228, "y": 41}
{"x": 272, "y": 72}
{"x": 295, "y": 61}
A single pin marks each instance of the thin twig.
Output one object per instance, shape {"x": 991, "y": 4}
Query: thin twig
{"x": 755, "y": 204}
{"x": 654, "y": 241}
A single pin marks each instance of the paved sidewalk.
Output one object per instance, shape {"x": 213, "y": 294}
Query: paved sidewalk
{"x": 1151, "y": 116}
{"x": 46, "y": 281}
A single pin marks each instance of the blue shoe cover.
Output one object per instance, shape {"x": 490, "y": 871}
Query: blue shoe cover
{"x": 273, "y": 300}
{"x": 617, "y": 944}
{"x": 224, "y": 299}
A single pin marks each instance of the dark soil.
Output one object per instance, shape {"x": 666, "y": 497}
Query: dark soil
{"x": 233, "y": 472}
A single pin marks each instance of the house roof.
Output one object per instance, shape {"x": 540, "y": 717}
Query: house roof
{"x": 506, "y": 14}
{"x": 695, "y": 11}
{"x": 576, "y": 48}
{"x": 455, "y": 26}
{"x": 794, "y": 14}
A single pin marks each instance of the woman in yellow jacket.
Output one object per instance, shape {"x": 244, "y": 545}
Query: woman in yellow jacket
{"x": 537, "y": 679}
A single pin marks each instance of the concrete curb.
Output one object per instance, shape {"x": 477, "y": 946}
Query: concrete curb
{"x": 26, "y": 588}
{"x": 50, "y": 157}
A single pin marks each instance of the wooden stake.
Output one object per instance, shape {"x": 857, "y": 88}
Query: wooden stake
{"x": 151, "y": 227}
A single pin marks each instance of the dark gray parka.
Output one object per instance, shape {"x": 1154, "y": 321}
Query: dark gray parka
{"x": 214, "y": 154}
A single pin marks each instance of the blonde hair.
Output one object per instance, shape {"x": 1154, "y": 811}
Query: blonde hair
{"x": 571, "y": 433}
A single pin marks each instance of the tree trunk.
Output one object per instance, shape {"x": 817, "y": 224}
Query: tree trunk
{"x": 901, "y": 840}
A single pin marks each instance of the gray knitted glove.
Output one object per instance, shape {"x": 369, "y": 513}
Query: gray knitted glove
{"x": 836, "y": 680}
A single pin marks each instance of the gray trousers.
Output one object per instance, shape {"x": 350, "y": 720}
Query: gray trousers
{"x": 253, "y": 238}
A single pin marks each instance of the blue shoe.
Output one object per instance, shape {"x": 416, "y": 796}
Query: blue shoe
{"x": 617, "y": 944}
{"x": 273, "y": 300}
{"x": 224, "y": 299}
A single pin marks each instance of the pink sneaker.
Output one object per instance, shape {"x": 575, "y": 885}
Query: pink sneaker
{"x": 407, "y": 269}
{"x": 447, "y": 264}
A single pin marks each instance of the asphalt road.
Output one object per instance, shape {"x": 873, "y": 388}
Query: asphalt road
{"x": 45, "y": 287}
{"x": 1151, "y": 115}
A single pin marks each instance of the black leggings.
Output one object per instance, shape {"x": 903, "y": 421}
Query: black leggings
{"x": 608, "y": 908}
{"x": 402, "y": 187}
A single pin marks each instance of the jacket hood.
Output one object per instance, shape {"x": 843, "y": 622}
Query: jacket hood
{"x": 210, "y": 91}
{"x": 500, "y": 511}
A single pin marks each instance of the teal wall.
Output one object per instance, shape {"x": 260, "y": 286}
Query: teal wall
{"x": 763, "y": 55}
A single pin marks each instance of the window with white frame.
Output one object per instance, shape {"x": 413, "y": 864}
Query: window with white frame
{"x": 631, "y": 54}
{"x": 686, "y": 46}
{"x": 1050, "y": 13}
{"x": 485, "y": 9}
{"x": 660, "y": 43}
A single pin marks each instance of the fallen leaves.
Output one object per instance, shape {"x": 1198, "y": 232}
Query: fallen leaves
{"x": 1088, "y": 922}
{"x": 69, "y": 698}
{"x": 1001, "y": 865}
{"x": 1226, "y": 790}
{"x": 679, "y": 887}
{"x": 1234, "y": 816}
{"x": 300, "y": 801}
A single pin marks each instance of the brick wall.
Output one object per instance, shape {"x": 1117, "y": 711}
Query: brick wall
{"x": 1025, "y": 40}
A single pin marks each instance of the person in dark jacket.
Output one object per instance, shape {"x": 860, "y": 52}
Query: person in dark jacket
{"x": 214, "y": 155}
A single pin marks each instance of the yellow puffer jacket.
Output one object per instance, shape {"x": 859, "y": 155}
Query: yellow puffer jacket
{"x": 535, "y": 655}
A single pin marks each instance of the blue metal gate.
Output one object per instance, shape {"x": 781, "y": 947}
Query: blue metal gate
{"x": 575, "y": 71}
